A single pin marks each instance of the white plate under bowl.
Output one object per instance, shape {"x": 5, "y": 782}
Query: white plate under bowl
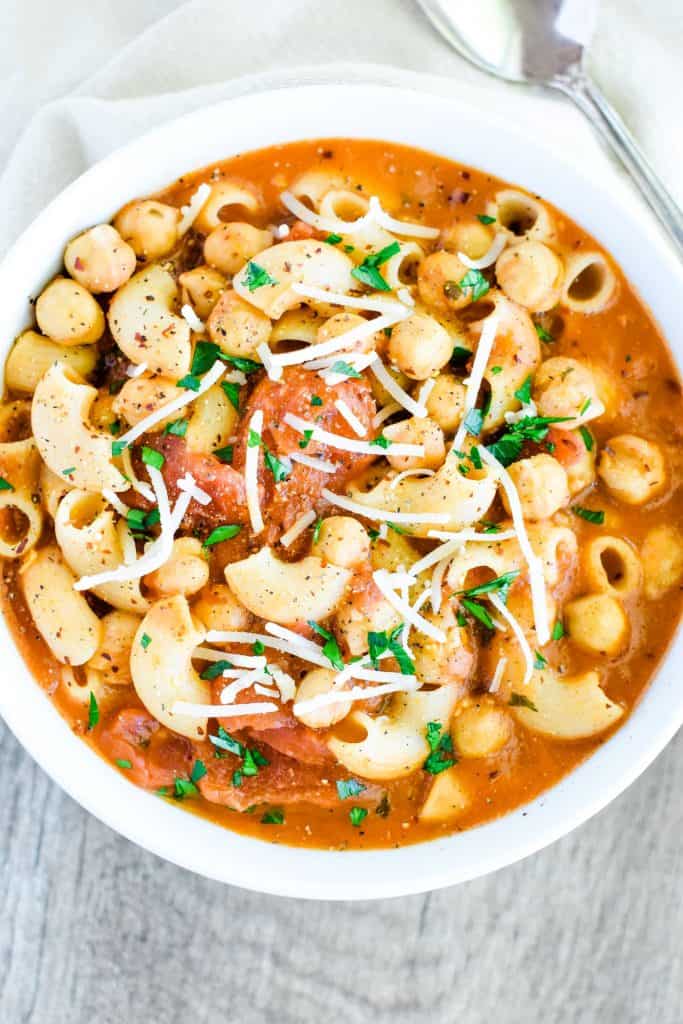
{"x": 455, "y": 128}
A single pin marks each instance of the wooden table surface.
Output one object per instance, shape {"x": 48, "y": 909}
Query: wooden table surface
{"x": 94, "y": 930}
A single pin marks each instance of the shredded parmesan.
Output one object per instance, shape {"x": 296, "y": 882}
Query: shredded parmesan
{"x": 395, "y": 390}
{"x": 347, "y": 444}
{"x": 382, "y": 580}
{"x": 497, "y": 677}
{"x": 115, "y": 502}
{"x": 191, "y": 211}
{"x": 355, "y": 693}
{"x": 266, "y": 691}
{"x": 489, "y": 257}
{"x": 186, "y": 483}
{"x": 351, "y": 418}
{"x": 284, "y": 683}
{"x": 437, "y": 584}
{"x": 311, "y": 654}
{"x": 519, "y": 633}
{"x": 536, "y": 578}
{"x": 481, "y": 358}
{"x": 282, "y": 230}
{"x": 156, "y": 553}
{"x": 240, "y": 660}
{"x": 386, "y": 413}
{"x": 191, "y": 318}
{"x": 243, "y": 682}
{"x": 333, "y": 225}
{"x": 321, "y": 465}
{"x": 134, "y": 371}
{"x": 266, "y": 356}
{"x": 405, "y": 296}
{"x": 341, "y": 341}
{"x": 208, "y": 380}
{"x": 425, "y": 391}
{"x": 251, "y": 474}
{"x": 399, "y": 227}
{"x": 297, "y": 528}
{"x": 381, "y": 514}
{"x": 358, "y": 360}
{"x": 371, "y": 303}
{"x": 595, "y": 409}
{"x": 261, "y": 707}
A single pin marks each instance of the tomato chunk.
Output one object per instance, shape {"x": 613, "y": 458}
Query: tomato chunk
{"x": 157, "y": 756}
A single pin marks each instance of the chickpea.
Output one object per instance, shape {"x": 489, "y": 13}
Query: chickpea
{"x": 632, "y": 469}
{"x": 342, "y": 541}
{"x": 140, "y": 396}
{"x": 531, "y": 274}
{"x": 68, "y": 313}
{"x": 481, "y": 730}
{"x": 341, "y": 323}
{"x": 99, "y": 259}
{"x": 597, "y": 623}
{"x": 472, "y": 238}
{"x": 359, "y": 615}
{"x": 562, "y": 387}
{"x": 541, "y": 483}
{"x": 236, "y": 327}
{"x": 186, "y": 571}
{"x": 150, "y": 227}
{"x": 417, "y": 431}
{"x": 218, "y": 608}
{"x": 317, "y": 681}
{"x": 662, "y": 560}
{"x": 419, "y": 346}
{"x": 450, "y": 663}
{"x": 380, "y": 393}
{"x": 230, "y": 246}
{"x": 201, "y": 288}
{"x": 446, "y": 403}
{"x": 438, "y": 280}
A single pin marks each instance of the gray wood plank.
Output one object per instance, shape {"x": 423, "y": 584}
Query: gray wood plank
{"x": 94, "y": 929}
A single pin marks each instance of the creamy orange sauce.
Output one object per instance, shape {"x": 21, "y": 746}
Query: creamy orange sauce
{"x": 624, "y": 340}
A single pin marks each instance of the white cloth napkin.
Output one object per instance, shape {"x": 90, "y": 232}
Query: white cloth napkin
{"x": 112, "y": 70}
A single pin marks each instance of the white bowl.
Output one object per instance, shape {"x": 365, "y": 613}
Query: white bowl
{"x": 454, "y": 128}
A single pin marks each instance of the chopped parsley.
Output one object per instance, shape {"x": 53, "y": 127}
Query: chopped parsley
{"x": 539, "y": 660}
{"x": 508, "y": 447}
{"x": 198, "y": 771}
{"x": 115, "y": 428}
{"x": 523, "y": 394}
{"x": 587, "y": 438}
{"x": 381, "y": 442}
{"x": 274, "y": 817}
{"x": 316, "y": 400}
{"x": 183, "y": 788}
{"x": 178, "y": 428}
{"x": 367, "y": 272}
{"x": 123, "y": 762}
{"x": 215, "y": 669}
{"x": 5, "y": 485}
{"x": 224, "y": 741}
{"x": 231, "y": 391}
{"x": 477, "y": 611}
{"x": 306, "y": 440}
{"x": 151, "y": 457}
{"x": 207, "y": 352}
{"x": 460, "y": 355}
{"x": 558, "y": 631}
{"x": 222, "y": 533}
{"x": 500, "y": 585}
{"x": 333, "y": 239}
{"x": 591, "y": 515}
{"x": 475, "y": 283}
{"x": 330, "y": 647}
{"x": 349, "y": 787}
{"x": 93, "y": 712}
{"x": 117, "y": 447}
{"x": 343, "y": 367}
{"x": 484, "y": 218}
{"x": 224, "y": 454}
{"x": 543, "y": 334}
{"x": 357, "y": 815}
{"x": 474, "y": 421}
{"x": 586, "y": 406}
{"x": 495, "y": 370}
{"x": 279, "y": 469}
{"x": 475, "y": 458}
{"x": 520, "y": 700}
{"x": 379, "y": 642}
{"x": 441, "y": 749}
{"x": 145, "y": 641}
{"x": 258, "y": 647}
{"x": 316, "y": 529}
{"x": 257, "y": 277}
{"x": 189, "y": 382}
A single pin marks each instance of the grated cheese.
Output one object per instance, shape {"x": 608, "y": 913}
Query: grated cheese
{"x": 395, "y": 390}
{"x": 191, "y": 318}
{"x": 266, "y": 356}
{"x": 239, "y": 660}
{"x": 381, "y": 514}
{"x": 405, "y": 296}
{"x": 385, "y": 413}
{"x": 351, "y": 418}
{"x": 251, "y": 474}
{"x": 243, "y": 682}
{"x": 355, "y": 693}
{"x": 333, "y": 225}
{"x": 186, "y": 483}
{"x": 497, "y": 677}
{"x": 489, "y": 257}
{"x": 437, "y": 584}
{"x": 536, "y": 578}
{"x": 321, "y": 465}
{"x": 266, "y": 691}
{"x": 399, "y": 227}
{"x": 407, "y": 612}
{"x": 284, "y": 683}
{"x": 519, "y": 634}
{"x": 347, "y": 444}
{"x": 298, "y": 527}
{"x": 208, "y": 380}
{"x": 342, "y": 341}
{"x": 311, "y": 654}
{"x": 134, "y": 371}
{"x": 372, "y": 303}
{"x": 113, "y": 499}
{"x": 481, "y": 358}
{"x": 191, "y": 211}
{"x": 425, "y": 391}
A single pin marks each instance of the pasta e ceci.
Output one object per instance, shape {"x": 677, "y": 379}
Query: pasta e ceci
{"x": 340, "y": 493}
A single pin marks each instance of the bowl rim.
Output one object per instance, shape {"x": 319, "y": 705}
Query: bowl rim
{"x": 328, "y": 111}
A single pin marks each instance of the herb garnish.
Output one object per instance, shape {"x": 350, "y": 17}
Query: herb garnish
{"x": 123, "y": 762}
{"x": 520, "y": 700}
{"x": 381, "y": 442}
{"x": 224, "y": 454}
{"x": 590, "y": 515}
{"x": 543, "y": 334}
{"x": 558, "y": 631}
{"x": 500, "y": 585}
{"x": 215, "y": 669}
{"x": 333, "y": 239}
{"x": 523, "y": 394}
{"x": 151, "y": 457}
{"x": 587, "y": 438}
{"x": 460, "y": 355}
{"x": 5, "y": 485}
{"x": 539, "y": 660}
{"x": 349, "y": 787}
{"x": 357, "y": 815}
{"x": 145, "y": 641}
{"x": 330, "y": 647}
{"x": 274, "y": 817}
{"x": 93, "y": 712}
{"x": 484, "y": 218}
{"x": 343, "y": 367}
{"x": 368, "y": 274}
{"x": 178, "y": 428}
{"x": 257, "y": 277}
{"x": 316, "y": 400}
{"x": 441, "y": 749}
{"x": 508, "y": 447}
{"x": 474, "y": 421}
{"x": 475, "y": 283}
{"x": 189, "y": 382}
{"x": 478, "y": 612}
{"x": 231, "y": 390}
{"x": 379, "y": 642}
{"x": 222, "y": 533}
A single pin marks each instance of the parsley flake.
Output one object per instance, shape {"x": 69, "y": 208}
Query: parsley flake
{"x": 357, "y": 815}
{"x": 558, "y": 631}
{"x": 151, "y": 457}
{"x": 178, "y": 428}
{"x": 330, "y": 647}
{"x": 591, "y": 515}
{"x": 231, "y": 390}
{"x": 274, "y": 817}
{"x": 587, "y": 438}
{"x": 93, "y": 712}
{"x": 5, "y": 485}
{"x": 367, "y": 272}
{"x": 145, "y": 641}
{"x": 343, "y": 367}
{"x": 475, "y": 283}
{"x": 349, "y": 787}
{"x": 215, "y": 669}
{"x": 222, "y": 533}
{"x": 484, "y": 218}
{"x": 520, "y": 700}
{"x": 441, "y": 749}
{"x": 224, "y": 454}
{"x": 123, "y": 762}
{"x": 257, "y": 277}
{"x": 316, "y": 400}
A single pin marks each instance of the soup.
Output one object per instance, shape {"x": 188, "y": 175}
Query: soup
{"x": 340, "y": 494}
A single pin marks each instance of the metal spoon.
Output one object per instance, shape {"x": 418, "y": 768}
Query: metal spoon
{"x": 543, "y": 42}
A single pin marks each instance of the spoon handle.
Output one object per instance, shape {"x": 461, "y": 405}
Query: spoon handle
{"x": 609, "y": 125}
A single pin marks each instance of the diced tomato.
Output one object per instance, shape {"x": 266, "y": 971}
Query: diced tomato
{"x": 300, "y": 229}
{"x": 157, "y": 756}
{"x": 569, "y": 446}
